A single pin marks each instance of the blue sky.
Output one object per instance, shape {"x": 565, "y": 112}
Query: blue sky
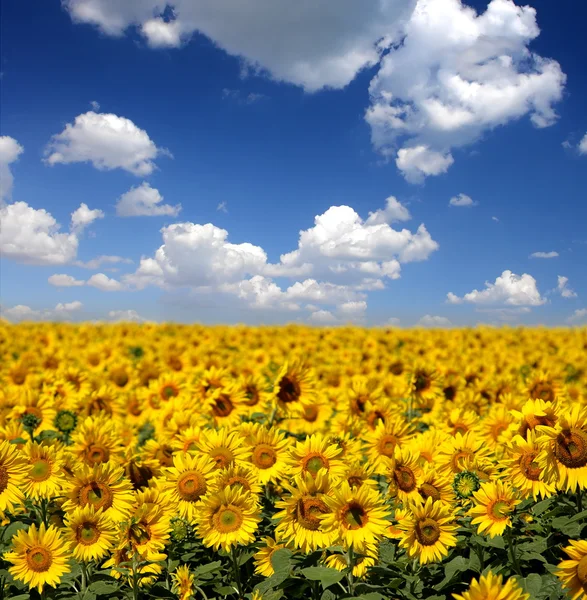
{"x": 280, "y": 116}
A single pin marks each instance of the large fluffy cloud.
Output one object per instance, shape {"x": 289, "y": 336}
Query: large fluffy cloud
{"x": 311, "y": 44}
{"x": 144, "y": 201}
{"x": 106, "y": 141}
{"x": 508, "y": 289}
{"x": 10, "y": 150}
{"x": 457, "y": 75}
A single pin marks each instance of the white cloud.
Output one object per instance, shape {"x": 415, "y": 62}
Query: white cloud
{"x": 433, "y": 321}
{"x": 583, "y": 145}
{"x": 462, "y": 200}
{"x": 509, "y": 288}
{"x": 95, "y": 263}
{"x": 495, "y": 219}
{"x": 10, "y": 150}
{"x": 95, "y": 105}
{"x": 322, "y": 317}
{"x": 106, "y": 141}
{"x": 83, "y": 217}
{"x": 143, "y": 200}
{"x": 32, "y": 236}
{"x": 394, "y": 211}
{"x": 125, "y": 316}
{"x": 578, "y": 317}
{"x": 418, "y": 162}
{"x": 456, "y": 76}
{"x": 310, "y": 44}
{"x": 222, "y": 207}
{"x": 61, "y": 280}
{"x": 21, "y": 312}
{"x": 544, "y": 254}
{"x": 104, "y": 283}
{"x": 393, "y": 322}
{"x": 564, "y": 290}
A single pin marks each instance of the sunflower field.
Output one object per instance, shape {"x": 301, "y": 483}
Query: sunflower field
{"x": 175, "y": 461}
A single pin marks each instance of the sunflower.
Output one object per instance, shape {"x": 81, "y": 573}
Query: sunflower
{"x": 358, "y": 474}
{"x": 312, "y": 418}
{"x": 424, "y": 385}
{"x": 460, "y": 452}
{"x": 425, "y": 445}
{"x": 39, "y": 557}
{"x": 268, "y": 453}
{"x": 96, "y": 441}
{"x": 436, "y": 486}
{"x": 41, "y": 407}
{"x": 534, "y": 413}
{"x": 459, "y": 420}
{"x": 227, "y": 405}
{"x": 492, "y": 586}
{"x": 187, "y": 440}
{"x": 102, "y": 487}
{"x": 257, "y": 393}
{"x": 294, "y": 387}
{"x": 544, "y": 387}
{"x": 522, "y": 467}
{"x": 428, "y": 531}
{"x": 404, "y": 475}
{"x": 121, "y": 560}
{"x": 358, "y": 516}
{"x": 360, "y": 394}
{"x": 381, "y": 443}
{"x": 496, "y": 427}
{"x": 183, "y": 583}
{"x": 223, "y": 446}
{"x": 299, "y": 521}
{"x": 90, "y": 533}
{"x": 263, "y": 564}
{"x": 44, "y": 477}
{"x": 494, "y": 503}
{"x": 239, "y": 476}
{"x": 573, "y": 572}
{"x": 565, "y": 445}
{"x": 228, "y": 518}
{"x": 314, "y": 454}
{"x": 361, "y": 563}
{"x": 13, "y": 471}
{"x": 145, "y": 531}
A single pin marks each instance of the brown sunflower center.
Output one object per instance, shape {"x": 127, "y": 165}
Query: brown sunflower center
{"x": 532, "y": 421}
{"x": 310, "y": 413}
{"x": 3, "y": 478}
{"x": 427, "y": 490}
{"x": 223, "y": 406}
{"x": 314, "y": 462}
{"x": 422, "y": 381}
{"x": 529, "y": 467}
{"x": 96, "y": 454}
{"x": 404, "y": 478}
{"x": 354, "y": 516}
{"x": 308, "y": 511}
{"x": 264, "y": 456}
{"x": 387, "y": 444}
{"x": 40, "y": 470}
{"x": 396, "y": 368}
{"x": 119, "y": 377}
{"x": 542, "y": 390}
{"x": 168, "y": 391}
{"x": 222, "y": 457}
{"x": 99, "y": 404}
{"x": 499, "y": 509}
{"x": 582, "y": 572}
{"x": 289, "y": 390}
{"x": 427, "y": 532}
{"x": 87, "y": 533}
{"x": 238, "y": 482}
{"x": 96, "y": 493}
{"x": 191, "y": 485}
{"x": 570, "y": 448}
{"x": 228, "y": 518}
{"x": 358, "y": 404}
{"x": 39, "y": 559}
{"x": 450, "y": 391}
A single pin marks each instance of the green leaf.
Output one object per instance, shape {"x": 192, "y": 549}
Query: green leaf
{"x": 542, "y": 506}
{"x": 209, "y": 568}
{"x": 456, "y": 565}
{"x": 103, "y": 587}
{"x": 281, "y": 560}
{"x": 532, "y": 584}
{"x": 328, "y": 595}
{"x": 160, "y": 591}
{"x": 325, "y": 575}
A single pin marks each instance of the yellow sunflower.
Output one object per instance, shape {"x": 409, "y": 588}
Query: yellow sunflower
{"x": 145, "y": 531}
{"x": 44, "y": 477}
{"x": 268, "y": 453}
{"x": 90, "y": 533}
{"x": 294, "y": 387}
{"x": 13, "y": 471}
{"x": 183, "y": 583}
{"x": 492, "y": 586}
{"x": 436, "y": 486}
{"x": 544, "y": 386}
{"x": 39, "y": 557}
{"x": 381, "y": 443}
{"x": 428, "y": 531}
{"x": 263, "y": 564}
{"x": 404, "y": 475}
{"x": 223, "y": 446}
{"x": 573, "y": 571}
{"x": 96, "y": 441}
{"x": 239, "y": 476}
{"x": 534, "y": 413}
{"x": 228, "y": 518}
{"x": 494, "y": 504}
{"x": 361, "y": 563}
{"x": 313, "y": 454}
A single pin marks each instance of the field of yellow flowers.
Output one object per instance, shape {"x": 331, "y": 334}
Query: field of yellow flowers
{"x": 170, "y": 461}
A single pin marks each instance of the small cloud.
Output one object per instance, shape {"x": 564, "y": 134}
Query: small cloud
{"x": 322, "y": 317}
{"x": 578, "y": 317}
{"x": 125, "y": 316}
{"x": 60, "y": 280}
{"x": 144, "y": 201}
{"x": 583, "y": 145}
{"x": 222, "y": 207}
{"x": 544, "y": 255}
{"x": 495, "y": 219}
{"x": 95, "y": 263}
{"x": 83, "y": 217}
{"x": 433, "y": 321}
{"x": 104, "y": 283}
{"x": 564, "y": 290}
{"x": 462, "y": 200}
{"x": 95, "y": 105}
{"x": 241, "y": 98}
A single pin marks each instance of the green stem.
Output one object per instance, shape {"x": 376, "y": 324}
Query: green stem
{"x": 135, "y": 578}
{"x": 512, "y": 548}
{"x": 237, "y": 575}
{"x": 84, "y": 584}
{"x": 272, "y": 416}
{"x": 579, "y": 501}
{"x": 351, "y": 564}
{"x": 480, "y": 554}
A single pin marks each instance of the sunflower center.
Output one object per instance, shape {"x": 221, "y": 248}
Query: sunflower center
{"x": 191, "y": 486}
{"x": 222, "y": 457}
{"x": 40, "y": 470}
{"x": 97, "y": 494}
{"x": 396, "y": 368}
{"x": 169, "y": 391}
{"x": 289, "y": 390}
{"x": 529, "y": 467}
{"x": 582, "y": 571}
{"x": 354, "y": 516}
{"x": 100, "y": 404}
{"x": 450, "y": 392}
{"x": 460, "y": 460}
{"x": 39, "y": 559}
{"x": 404, "y": 477}
{"x": 427, "y": 490}
{"x": 421, "y": 381}
{"x": 500, "y": 509}
{"x": 355, "y": 481}
{"x": 359, "y": 403}
{"x": 427, "y": 532}
{"x": 497, "y": 429}
{"x": 264, "y": 456}
{"x": 308, "y": 511}
{"x": 387, "y": 445}
{"x": 236, "y": 482}
{"x": 542, "y": 391}
{"x": 252, "y": 394}
{"x": 533, "y": 420}
{"x": 228, "y": 518}
{"x": 310, "y": 413}
{"x": 314, "y": 462}
{"x": 87, "y": 533}
{"x": 96, "y": 454}
{"x": 570, "y": 448}
{"x": 375, "y": 417}
{"x": 223, "y": 406}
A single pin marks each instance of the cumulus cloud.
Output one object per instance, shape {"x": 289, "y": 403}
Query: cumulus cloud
{"x": 394, "y": 211}
{"x": 144, "y": 201}
{"x": 310, "y": 44}
{"x": 583, "y": 145}
{"x": 544, "y": 254}
{"x": 10, "y": 150}
{"x": 104, "y": 283}
{"x": 61, "y": 280}
{"x": 563, "y": 288}
{"x": 578, "y": 317}
{"x": 83, "y": 217}
{"x": 125, "y": 316}
{"x": 322, "y": 317}
{"x": 456, "y": 76}
{"x": 21, "y": 312}
{"x": 461, "y": 200}
{"x": 106, "y": 141}
{"x": 433, "y": 321}
{"x": 509, "y": 289}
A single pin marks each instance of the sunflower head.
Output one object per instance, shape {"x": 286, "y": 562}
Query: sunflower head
{"x": 65, "y": 421}
{"x": 465, "y": 484}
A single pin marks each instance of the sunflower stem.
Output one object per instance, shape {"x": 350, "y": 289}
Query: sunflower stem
{"x": 273, "y": 413}
{"x": 579, "y": 501}
{"x": 84, "y": 583}
{"x": 135, "y": 578}
{"x": 351, "y": 565}
{"x": 237, "y": 575}
{"x": 512, "y": 547}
